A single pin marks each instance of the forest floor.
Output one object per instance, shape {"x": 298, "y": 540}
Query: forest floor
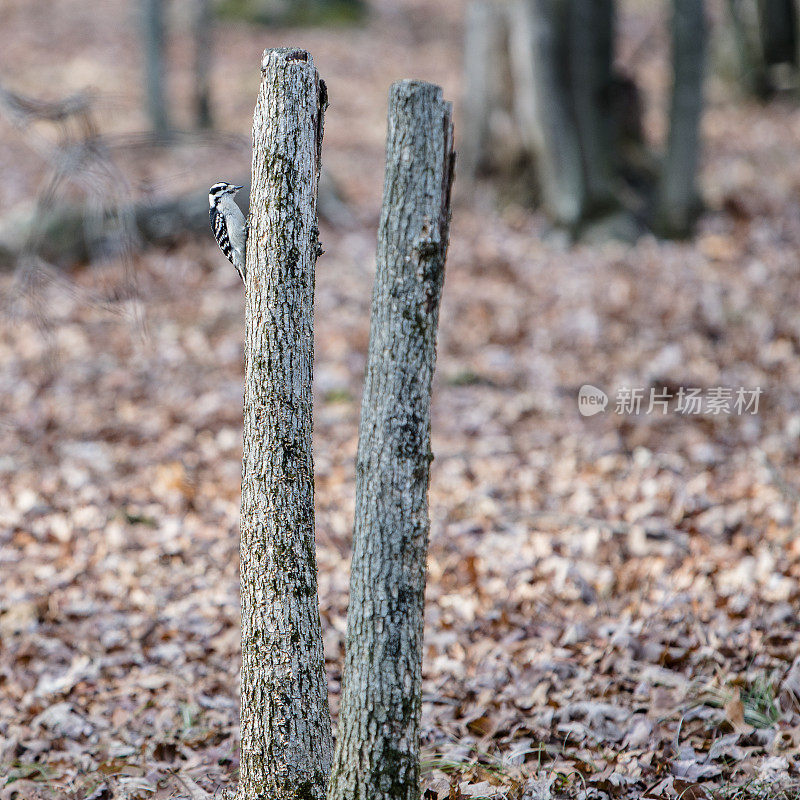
{"x": 612, "y": 604}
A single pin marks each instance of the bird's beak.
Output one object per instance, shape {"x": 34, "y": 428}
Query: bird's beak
{"x": 236, "y": 188}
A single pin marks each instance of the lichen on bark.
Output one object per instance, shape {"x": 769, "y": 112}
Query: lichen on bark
{"x": 286, "y": 733}
{"x": 377, "y": 750}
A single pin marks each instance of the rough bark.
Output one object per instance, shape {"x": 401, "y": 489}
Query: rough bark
{"x": 377, "y": 752}
{"x": 286, "y": 729}
{"x": 155, "y": 69}
{"x": 543, "y": 105}
{"x": 677, "y": 200}
{"x": 203, "y": 24}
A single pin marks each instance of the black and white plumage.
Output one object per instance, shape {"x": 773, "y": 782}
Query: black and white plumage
{"x": 228, "y": 224}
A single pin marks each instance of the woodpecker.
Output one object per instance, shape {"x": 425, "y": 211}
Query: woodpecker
{"x": 228, "y": 224}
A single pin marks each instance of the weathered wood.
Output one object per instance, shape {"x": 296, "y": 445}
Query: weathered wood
{"x": 286, "y": 728}
{"x": 377, "y": 750}
{"x": 677, "y": 199}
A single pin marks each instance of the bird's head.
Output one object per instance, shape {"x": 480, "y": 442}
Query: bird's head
{"x": 219, "y": 189}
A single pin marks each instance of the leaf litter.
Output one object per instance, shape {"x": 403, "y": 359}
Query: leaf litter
{"x": 612, "y": 601}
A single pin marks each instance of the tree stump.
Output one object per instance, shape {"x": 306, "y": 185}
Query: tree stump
{"x": 286, "y": 729}
{"x": 377, "y": 749}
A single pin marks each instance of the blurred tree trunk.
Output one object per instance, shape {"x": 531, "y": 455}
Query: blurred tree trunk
{"x": 590, "y": 43}
{"x": 155, "y": 66}
{"x": 560, "y": 94}
{"x": 542, "y": 102}
{"x": 579, "y": 119}
{"x": 377, "y": 748}
{"x": 796, "y": 8}
{"x": 203, "y": 24}
{"x": 749, "y": 64}
{"x": 677, "y": 199}
{"x": 286, "y": 727}
{"x": 778, "y": 25}
{"x": 765, "y": 35}
{"x": 486, "y": 73}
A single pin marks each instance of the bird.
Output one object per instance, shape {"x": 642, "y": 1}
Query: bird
{"x": 228, "y": 224}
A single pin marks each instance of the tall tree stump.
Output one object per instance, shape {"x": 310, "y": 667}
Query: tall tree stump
{"x": 377, "y": 751}
{"x": 286, "y": 731}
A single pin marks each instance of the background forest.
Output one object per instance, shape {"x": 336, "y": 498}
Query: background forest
{"x": 613, "y": 600}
